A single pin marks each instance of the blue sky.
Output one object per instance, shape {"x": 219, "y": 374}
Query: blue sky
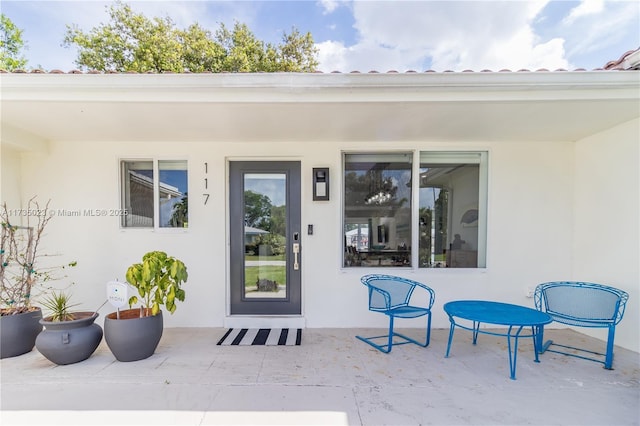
{"x": 377, "y": 35}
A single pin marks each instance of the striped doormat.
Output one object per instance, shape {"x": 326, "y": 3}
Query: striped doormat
{"x": 262, "y": 336}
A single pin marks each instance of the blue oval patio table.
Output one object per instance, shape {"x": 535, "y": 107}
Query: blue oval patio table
{"x": 514, "y": 317}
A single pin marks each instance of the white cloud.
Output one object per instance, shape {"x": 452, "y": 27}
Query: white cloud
{"x": 615, "y": 25}
{"x": 585, "y": 8}
{"x": 550, "y": 55}
{"x": 365, "y": 57}
{"x": 331, "y": 55}
{"x": 329, "y": 6}
{"x": 442, "y": 36}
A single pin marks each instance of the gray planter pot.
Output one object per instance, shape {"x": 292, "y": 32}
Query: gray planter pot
{"x": 68, "y": 342}
{"x": 18, "y": 333}
{"x": 131, "y": 338}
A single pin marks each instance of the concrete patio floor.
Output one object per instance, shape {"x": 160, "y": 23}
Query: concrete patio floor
{"x": 331, "y": 379}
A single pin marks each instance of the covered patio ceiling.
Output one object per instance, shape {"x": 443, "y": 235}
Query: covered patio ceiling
{"x": 441, "y": 107}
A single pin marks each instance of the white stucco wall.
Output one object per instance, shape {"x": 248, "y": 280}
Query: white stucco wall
{"x": 10, "y": 176}
{"x": 529, "y": 230}
{"x": 606, "y": 241}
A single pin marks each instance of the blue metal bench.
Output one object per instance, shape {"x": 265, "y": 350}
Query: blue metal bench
{"x": 582, "y": 304}
{"x": 391, "y": 296}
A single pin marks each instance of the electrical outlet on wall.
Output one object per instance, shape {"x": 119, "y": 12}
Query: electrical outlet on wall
{"x": 529, "y": 292}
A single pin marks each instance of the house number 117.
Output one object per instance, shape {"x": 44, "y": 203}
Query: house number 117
{"x": 206, "y": 184}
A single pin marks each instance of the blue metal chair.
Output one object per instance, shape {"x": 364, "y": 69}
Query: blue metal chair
{"x": 391, "y": 295}
{"x": 582, "y": 304}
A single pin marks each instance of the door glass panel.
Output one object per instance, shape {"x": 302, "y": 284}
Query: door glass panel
{"x": 265, "y": 228}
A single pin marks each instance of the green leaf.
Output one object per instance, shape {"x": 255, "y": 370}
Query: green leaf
{"x": 180, "y": 295}
{"x": 132, "y": 301}
{"x": 146, "y": 271}
{"x": 130, "y": 277}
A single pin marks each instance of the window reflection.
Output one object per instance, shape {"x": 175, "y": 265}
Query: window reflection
{"x": 450, "y": 198}
{"x": 377, "y": 210}
{"x": 137, "y": 194}
{"x": 172, "y": 197}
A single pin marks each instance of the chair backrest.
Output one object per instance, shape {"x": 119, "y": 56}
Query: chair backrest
{"x": 389, "y": 291}
{"x": 581, "y": 303}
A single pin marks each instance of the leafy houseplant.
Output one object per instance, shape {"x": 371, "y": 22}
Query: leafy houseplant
{"x": 134, "y": 334}
{"x": 68, "y": 337}
{"x": 157, "y": 279}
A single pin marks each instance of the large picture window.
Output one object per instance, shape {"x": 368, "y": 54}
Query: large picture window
{"x": 154, "y": 193}
{"x": 377, "y": 210}
{"x": 452, "y": 218}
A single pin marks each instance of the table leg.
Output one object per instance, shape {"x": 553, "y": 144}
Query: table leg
{"x": 476, "y": 328}
{"x": 513, "y": 354}
{"x": 453, "y": 326}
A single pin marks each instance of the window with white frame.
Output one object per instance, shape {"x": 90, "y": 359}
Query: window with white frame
{"x": 379, "y": 224}
{"x": 154, "y": 193}
{"x": 452, "y": 209}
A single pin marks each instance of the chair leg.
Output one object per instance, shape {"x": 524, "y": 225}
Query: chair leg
{"x": 386, "y": 348}
{"x": 608, "y": 356}
{"x": 382, "y": 348}
{"x": 369, "y": 341}
{"x": 542, "y": 345}
{"x": 390, "y": 343}
{"x": 608, "y": 362}
{"x": 408, "y": 339}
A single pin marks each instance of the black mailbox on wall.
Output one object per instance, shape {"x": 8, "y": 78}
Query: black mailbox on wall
{"x": 321, "y": 184}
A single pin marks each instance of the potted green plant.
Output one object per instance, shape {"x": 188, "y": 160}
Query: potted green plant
{"x": 134, "y": 334}
{"x": 20, "y": 272}
{"x": 68, "y": 336}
